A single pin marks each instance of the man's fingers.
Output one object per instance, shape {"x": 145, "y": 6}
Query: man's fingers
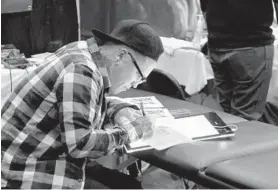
{"x": 123, "y": 120}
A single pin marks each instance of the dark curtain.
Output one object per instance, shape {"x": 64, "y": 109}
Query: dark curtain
{"x": 105, "y": 14}
{"x": 15, "y": 29}
{"x": 99, "y": 14}
{"x": 49, "y": 21}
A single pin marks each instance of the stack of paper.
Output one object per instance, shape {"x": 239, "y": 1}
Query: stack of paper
{"x": 169, "y": 131}
{"x": 164, "y": 136}
{"x": 152, "y": 106}
{"x": 148, "y": 101}
{"x": 195, "y": 126}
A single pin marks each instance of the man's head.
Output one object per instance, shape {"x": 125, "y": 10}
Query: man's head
{"x": 133, "y": 49}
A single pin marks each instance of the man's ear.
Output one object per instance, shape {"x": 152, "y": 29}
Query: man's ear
{"x": 121, "y": 54}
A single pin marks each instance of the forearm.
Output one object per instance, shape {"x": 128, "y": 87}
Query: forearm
{"x": 80, "y": 122}
{"x": 115, "y": 104}
{"x": 95, "y": 143}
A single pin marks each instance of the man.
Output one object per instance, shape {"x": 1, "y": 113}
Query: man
{"x": 58, "y": 120}
{"x": 240, "y": 44}
{"x": 270, "y": 114}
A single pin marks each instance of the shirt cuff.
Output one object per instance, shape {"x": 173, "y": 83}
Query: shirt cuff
{"x": 118, "y": 108}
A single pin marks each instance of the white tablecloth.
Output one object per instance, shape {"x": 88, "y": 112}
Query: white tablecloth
{"x": 274, "y": 79}
{"x": 192, "y": 69}
{"x": 15, "y": 77}
{"x": 187, "y": 64}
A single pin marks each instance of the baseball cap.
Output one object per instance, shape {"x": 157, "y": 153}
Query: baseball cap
{"x": 135, "y": 34}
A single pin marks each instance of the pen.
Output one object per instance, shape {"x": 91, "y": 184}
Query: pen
{"x": 142, "y": 108}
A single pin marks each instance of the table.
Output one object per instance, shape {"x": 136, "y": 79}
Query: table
{"x": 173, "y": 104}
{"x": 14, "y": 76}
{"x": 191, "y": 159}
{"x": 247, "y": 172}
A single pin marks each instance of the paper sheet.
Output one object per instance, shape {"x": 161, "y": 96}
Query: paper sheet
{"x": 148, "y": 101}
{"x": 158, "y": 112}
{"x": 152, "y": 106}
{"x": 194, "y": 126}
{"x": 169, "y": 131}
{"x": 138, "y": 143}
{"x": 165, "y": 137}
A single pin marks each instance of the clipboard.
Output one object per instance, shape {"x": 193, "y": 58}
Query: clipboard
{"x": 130, "y": 149}
{"x": 213, "y": 121}
{"x": 224, "y": 130}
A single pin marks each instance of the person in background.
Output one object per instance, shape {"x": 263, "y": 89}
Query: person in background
{"x": 59, "y": 120}
{"x": 240, "y": 44}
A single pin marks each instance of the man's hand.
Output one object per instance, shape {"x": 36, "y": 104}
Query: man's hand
{"x": 134, "y": 123}
{"x": 126, "y": 115}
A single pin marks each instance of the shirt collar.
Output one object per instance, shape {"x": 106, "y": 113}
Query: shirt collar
{"x": 99, "y": 61}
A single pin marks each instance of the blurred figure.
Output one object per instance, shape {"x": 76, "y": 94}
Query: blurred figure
{"x": 240, "y": 44}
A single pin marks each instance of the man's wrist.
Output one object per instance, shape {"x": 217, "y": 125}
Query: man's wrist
{"x": 118, "y": 108}
{"x": 124, "y": 137}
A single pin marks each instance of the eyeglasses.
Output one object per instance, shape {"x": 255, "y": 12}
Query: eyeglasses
{"x": 143, "y": 78}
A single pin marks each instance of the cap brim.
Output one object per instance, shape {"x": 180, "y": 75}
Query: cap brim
{"x": 102, "y": 37}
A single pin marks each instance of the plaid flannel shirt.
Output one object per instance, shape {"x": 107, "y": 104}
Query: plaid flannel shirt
{"x": 52, "y": 123}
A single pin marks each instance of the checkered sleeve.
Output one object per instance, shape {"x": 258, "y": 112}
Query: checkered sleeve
{"x": 115, "y": 104}
{"x": 77, "y": 95}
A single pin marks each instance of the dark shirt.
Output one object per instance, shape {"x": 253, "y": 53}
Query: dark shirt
{"x": 238, "y": 23}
